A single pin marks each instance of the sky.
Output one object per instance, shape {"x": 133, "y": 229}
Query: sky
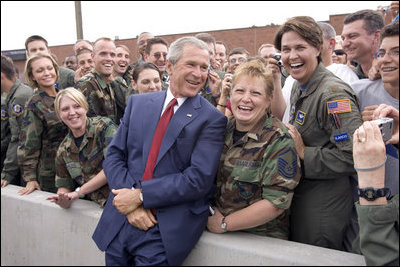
{"x": 55, "y": 20}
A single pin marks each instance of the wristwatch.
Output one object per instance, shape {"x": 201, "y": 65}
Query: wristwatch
{"x": 370, "y": 193}
{"x": 223, "y": 225}
{"x": 78, "y": 190}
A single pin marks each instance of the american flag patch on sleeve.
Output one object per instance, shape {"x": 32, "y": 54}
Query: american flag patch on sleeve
{"x": 339, "y": 106}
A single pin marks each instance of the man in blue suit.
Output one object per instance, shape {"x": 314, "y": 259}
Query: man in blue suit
{"x": 183, "y": 176}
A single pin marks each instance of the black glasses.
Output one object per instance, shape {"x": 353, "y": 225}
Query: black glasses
{"x": 158, "y": 55}
{"x": 339, "y": 52}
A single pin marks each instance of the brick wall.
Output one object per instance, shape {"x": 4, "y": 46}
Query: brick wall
{"x": 250, "y": 38}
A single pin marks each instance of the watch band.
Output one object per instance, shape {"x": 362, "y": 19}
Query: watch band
{"x": 224, "y": 225}
{"x": 370, "y": 193}
{"x": 78, "y": 190}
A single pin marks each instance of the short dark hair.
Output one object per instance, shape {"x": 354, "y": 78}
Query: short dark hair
{"x": 205, "y": 37}
{"x": 390, "y": 30}
{"x": 222, "y": 43}
{"x": 239, "y": 50}
{"x": 153, "y": 41}
{"x": 7, "y": 67}
{"x": 141, "y": 67}
{"x": 373, "y": 20}
{"x": 304, "y": 26}
{"x": 35, "y": 38}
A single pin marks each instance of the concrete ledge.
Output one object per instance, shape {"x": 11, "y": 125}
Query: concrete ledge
{"x": 35, "y": 231}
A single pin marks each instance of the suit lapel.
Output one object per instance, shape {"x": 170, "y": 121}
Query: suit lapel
{"x": 151, "y": 115}
{"x": 185, "y": 114}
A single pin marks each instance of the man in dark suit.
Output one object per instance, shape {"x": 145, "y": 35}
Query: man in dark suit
{"x": 183, "y": 175}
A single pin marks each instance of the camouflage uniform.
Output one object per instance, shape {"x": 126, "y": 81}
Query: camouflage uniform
{"x": 121, "y": 89}
{"x": 15, "y": 108}
{"x": 261, "y": 165}
{"x": 76, "y": 166}
{"x": 164, "y": 80}
{"x": 323, "y": 201}
{"x": 41, "y": 134}
{"x": 66, "y": 78}
{"x": 99, "y": 94}
{"x": 5, "y": 129}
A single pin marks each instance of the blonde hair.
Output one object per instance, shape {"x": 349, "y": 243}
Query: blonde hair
{"x": 29, "y": 71}
{"x": 255, "y": 69}
{"x": 72, "y": 93}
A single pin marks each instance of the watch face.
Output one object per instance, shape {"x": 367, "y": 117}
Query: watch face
{"x": 223, "y": 225}
{"x": 370, "y": 194}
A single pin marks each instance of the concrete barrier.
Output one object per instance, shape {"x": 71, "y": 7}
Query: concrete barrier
{"x": 35, "y": 231}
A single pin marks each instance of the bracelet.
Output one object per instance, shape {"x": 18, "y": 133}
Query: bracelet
{"x": 221, "y": 105}
{"x": 371, "y": 169}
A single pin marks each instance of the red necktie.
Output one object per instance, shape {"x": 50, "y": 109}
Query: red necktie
{"x": 157, "y": 140}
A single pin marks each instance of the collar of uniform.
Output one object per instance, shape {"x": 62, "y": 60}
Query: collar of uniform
{"x": 255, "y": 132}
{"x": 314, "y": 81}
{"x": 13, "y": 89}
{"x": 90, "y": 131}
{"x": 99, "y": 79}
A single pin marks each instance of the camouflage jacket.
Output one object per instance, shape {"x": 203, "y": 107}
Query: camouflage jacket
{"x": 41, "y": 134}
{"x": 66, "y": 79}
{"x": 121, "y": 89}
{"x": 15, "y": 109}
{"x": 76, "y": 166}
{"x": 99, "y": 94}
{"x": 262, "y": 164}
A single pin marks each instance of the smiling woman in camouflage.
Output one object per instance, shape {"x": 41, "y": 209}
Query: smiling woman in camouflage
{"x": 42, "y": 130}
{"x": 259, "y": 168}
{"x": 79, "y": 170}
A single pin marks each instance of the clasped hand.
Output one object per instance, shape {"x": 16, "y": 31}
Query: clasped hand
{"x": 126, "y": 200}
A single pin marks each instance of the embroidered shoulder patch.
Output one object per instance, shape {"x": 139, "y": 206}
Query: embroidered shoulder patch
{"x": 300, "y": 117}
{"x": 4, "y": 114}
{"x": 287, "y": 164}
{"x": 18, "y": 110}
{"x": 339, "y": 106}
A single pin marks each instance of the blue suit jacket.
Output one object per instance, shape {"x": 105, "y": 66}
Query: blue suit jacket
{"x": 183, "y": 176}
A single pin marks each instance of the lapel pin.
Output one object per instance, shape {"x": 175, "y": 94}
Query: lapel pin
{"x": 189, "y": 115}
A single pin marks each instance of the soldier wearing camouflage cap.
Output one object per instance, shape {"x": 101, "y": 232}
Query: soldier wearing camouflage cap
{"x": 259, "y": 167}
{"x": 79, "y": 170}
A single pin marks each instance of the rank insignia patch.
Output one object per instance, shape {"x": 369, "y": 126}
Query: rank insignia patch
{"x": 287, "y": 164}
{"x": 300, "y": 117}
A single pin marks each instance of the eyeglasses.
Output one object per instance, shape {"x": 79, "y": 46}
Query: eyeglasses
{"x": 158, "y": 55}
{"x": 339, "y": 52}
{"x": 239, "y": 60}
{"x": 392, "y": 53}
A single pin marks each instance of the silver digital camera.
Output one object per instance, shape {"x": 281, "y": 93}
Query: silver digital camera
{"x": 386, "y": 127}
{"x": 278, "y": 58}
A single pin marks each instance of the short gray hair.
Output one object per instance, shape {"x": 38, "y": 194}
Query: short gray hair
{"x": 328, "y": 31}
{"x": 176, "y": 48}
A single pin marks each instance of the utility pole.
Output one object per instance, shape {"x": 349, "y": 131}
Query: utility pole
{"x": 78, "y": 19}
